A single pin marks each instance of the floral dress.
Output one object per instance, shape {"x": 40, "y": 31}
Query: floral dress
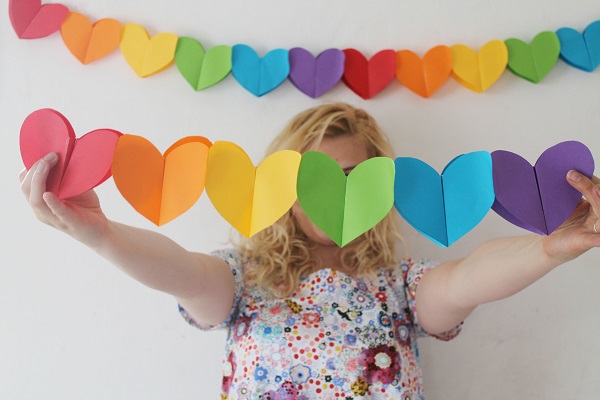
{"x": 336, "y": 337}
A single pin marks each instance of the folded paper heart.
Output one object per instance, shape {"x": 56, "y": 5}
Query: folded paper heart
{"x": 479, "y": 71}
{"x": 259, "y": 75}
{"x": 345, "y": 207}
{"x": 581, "y": 50}
{"x": 533, "y": 62}
{"x": 144, "y": 55}
{"x": 83, "y": 163}
{"x": 424, "y": 77}
{"x": 200, "y": 68}
{"x": 444, "y": 208}
{"x": 251, "y": 198}
{"x": 539, "y": 198}
{"x": 161, "y": 187}
{"x": 32, "y": 20}
{"x": 315, "y": 76}
{"x": 88, "y": 42}
{"x": 365, "y": 77}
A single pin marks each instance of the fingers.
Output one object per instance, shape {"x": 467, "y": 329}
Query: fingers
{"x": 588, "y": 188}
{"x": 59, "y": 209}
{"x": 26, "y": 177}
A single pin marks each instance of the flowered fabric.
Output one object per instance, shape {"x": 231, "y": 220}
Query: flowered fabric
{"x": 336, "y": 337}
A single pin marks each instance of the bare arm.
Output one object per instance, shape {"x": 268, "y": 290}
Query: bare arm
{"x": 502, "y": 267}
{"x": 203, "y": 284}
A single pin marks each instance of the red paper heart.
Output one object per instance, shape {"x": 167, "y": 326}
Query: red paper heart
{"x": 365, "y": 77}
{"x": 83, "y": 163}
{"x": 32, "y": 20}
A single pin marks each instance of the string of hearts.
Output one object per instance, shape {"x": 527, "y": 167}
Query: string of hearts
{"x": 313, "y": 76}
{"x": 443, "y": 207}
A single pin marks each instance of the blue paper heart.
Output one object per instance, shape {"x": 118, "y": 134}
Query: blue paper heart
{"x": 444, "y": 208}
{"x": 259, "y": 75}
{"x": 581, "y": 50}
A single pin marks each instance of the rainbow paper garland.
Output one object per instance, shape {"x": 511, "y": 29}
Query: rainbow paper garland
{"x": 443, "y": 207}
{"x": 313, "y": 76}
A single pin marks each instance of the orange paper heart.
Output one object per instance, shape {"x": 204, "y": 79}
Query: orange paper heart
{"x": 88, "y": 42}
{"x": 161, "y": 188}
{"x": 425, "y": 76}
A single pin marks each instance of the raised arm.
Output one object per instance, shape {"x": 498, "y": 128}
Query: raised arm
{"x": 202, "y": 284}
{"x": 502, "y": 267}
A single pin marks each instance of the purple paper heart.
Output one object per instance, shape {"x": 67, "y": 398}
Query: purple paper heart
{"x": 315, "y": 76}
{"x": 539, "y": 198}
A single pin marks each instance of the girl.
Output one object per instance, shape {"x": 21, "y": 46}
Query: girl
{"x": 305, "y": 318}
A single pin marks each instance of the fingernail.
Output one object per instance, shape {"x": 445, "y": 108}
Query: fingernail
{"x": 41, "y": 167}
{"x": 574, "y": 176}
{"x": 50, "y": 157}
{"x": 598, "y": 190}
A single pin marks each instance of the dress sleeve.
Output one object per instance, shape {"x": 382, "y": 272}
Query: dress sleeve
{"x": 233, "y": 260}
{"x": 413, "y": 271}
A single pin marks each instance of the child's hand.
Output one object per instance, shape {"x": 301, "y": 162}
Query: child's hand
{"x": 79, "y": 216}
{"x": 576, "y": 235}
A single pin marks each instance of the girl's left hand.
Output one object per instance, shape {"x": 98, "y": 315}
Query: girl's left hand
{"x": 576, "y": 235}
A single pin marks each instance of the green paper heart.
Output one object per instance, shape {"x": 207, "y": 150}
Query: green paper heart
{"x": 534, "y": 61}
{"x": 202, "y": 69}
{"x": 345, "y": 207}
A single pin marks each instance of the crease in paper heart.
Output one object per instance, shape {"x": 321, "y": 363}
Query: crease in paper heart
{"x": 425, "y": 76}
{"x": 345, "y": 207}
{"x": 444, "y": 207}
{"x": 259, "y": 75}
{"x": 32, "y": 20}
{"x": 533, "y": 62}
{"x": 200, "y": 68}
{"x": 581, "y": 50}
{"x": 161, "y": 187}
{"x": 251, "y": 198}
{"x": 145, "y": 55}
{"x": 315, "y": 76}
{"x": 90, "y": 42}
{"x": 365, "y": 77}
{"x": 539, "y": 198}
{"x": 83, "y": 163}
{"x": 479, "y": 71}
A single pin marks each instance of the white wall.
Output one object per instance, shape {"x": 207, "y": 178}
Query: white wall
{"x": 73, "y": 327}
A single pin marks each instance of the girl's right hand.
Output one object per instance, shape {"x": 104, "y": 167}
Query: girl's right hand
{"x": 80, "y": 216}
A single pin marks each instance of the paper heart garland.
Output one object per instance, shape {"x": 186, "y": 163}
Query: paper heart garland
{"x": 444, "y": 207}
{"x": 259, "y": 75}
{"x": 345, "y": 207}
{"x": 160, "y": 187}
{"x": 144, "y": 55}
{"x": 83, "y": 163}
{"x": 365, "y": 77}
{"x": 200, "y": 68}
{"x": 89, "y": 42}
{"x": 539, "y": 198}
{"x": 581, "y": 50}
{"x": 479, "y": 71}
{"x": 533, "y": 62}
{"x": 315, "y": 76}
{"x": 32, "y": 20}
{"x": 425, "y": 76}
{"x": 251, "y": 198}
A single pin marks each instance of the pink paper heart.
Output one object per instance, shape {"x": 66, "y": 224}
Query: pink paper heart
{"x": 83, "y": 164}
{"x": 32, "y": 20}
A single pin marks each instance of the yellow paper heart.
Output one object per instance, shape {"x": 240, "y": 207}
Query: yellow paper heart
{"x": 251, "y": 198}
{"x": 144, "y": 55}
{"x": 479, "y": 71}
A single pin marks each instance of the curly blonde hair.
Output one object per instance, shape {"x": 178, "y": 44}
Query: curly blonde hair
{"x": 281, "y": 252}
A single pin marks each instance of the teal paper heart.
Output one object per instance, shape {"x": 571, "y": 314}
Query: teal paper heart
{"x": 444, "y": 208}
{"x": 259, "y": 75}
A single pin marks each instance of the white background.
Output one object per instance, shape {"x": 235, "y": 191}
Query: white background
{"x": 73, "y": 327}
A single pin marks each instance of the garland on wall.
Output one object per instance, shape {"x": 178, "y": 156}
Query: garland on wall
{"x": 443, "y": 207}
{"x": 313, "y": 76}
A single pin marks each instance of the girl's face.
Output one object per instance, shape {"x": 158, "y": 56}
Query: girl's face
{"x": 348, "y": 151}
